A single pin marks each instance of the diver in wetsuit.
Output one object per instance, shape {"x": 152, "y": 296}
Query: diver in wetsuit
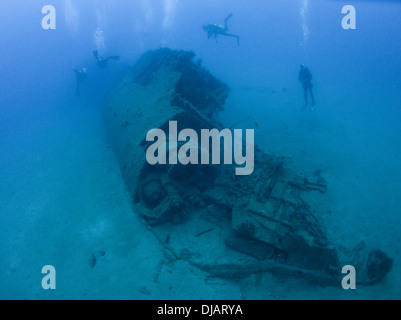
{"x": 81, "y": 77}
{"x": 102, "y": 62}
{"x": 305, "y": 77}
{"x": 213, "y": 30}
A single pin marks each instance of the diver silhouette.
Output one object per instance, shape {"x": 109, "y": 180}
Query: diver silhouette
{"x": 213, "y": 30}
{"x": 102, "y": 62}
{"x": 81, "y": 76}
{"x": 305, "y": 77}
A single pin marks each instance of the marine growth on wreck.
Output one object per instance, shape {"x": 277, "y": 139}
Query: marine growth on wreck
{"x": 228, "y": 225}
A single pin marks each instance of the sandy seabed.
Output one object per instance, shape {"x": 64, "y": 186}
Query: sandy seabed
{"x": 63, "y": 202}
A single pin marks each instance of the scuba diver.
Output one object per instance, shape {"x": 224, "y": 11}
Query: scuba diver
{"x": 213, "y": 30}
{"x": 305, "y": 77}
{"x": 101, "y": 62}
{"x": 81, "y": 77}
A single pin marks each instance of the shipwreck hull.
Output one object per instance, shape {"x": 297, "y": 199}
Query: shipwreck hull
{"x": 228, "y": 225}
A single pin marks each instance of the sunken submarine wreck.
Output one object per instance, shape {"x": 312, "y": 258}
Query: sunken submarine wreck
{"x": 229, "y": 226}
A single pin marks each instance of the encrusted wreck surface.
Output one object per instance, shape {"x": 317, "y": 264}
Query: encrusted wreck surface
{"x": 227, "y": 225}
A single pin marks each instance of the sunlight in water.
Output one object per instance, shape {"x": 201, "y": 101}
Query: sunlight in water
{"x": 71, "y": 16}
{"x": 305, "y": 28}
{"x": 169, "y": 15}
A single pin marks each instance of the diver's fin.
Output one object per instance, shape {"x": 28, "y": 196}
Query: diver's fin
{"x": 96, "y": 54}
{"x": 228, "y": 17}
{"x": 225, "y": 21}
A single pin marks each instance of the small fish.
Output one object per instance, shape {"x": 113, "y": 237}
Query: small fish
{"x": 92, "y": 261}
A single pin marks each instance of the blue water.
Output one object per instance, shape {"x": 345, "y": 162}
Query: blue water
{"x": 63, "y": 199}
